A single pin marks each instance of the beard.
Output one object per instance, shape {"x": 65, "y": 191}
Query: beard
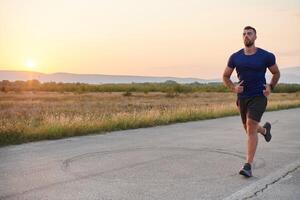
{"x": 248, "y": 43}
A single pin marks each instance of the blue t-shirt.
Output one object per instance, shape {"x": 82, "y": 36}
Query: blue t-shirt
{"x": 251, "y": 69}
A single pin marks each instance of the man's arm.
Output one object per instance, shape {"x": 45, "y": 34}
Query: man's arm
{"x": 228, "y": 83}
{"x": 276, "y": 75}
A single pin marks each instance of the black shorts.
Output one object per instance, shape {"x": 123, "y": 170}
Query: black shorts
{"x": 253, "y": 107}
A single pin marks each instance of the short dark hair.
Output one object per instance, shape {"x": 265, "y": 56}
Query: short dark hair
{"x": 250, "y": 28}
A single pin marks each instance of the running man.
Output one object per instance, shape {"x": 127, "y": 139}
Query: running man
{"x": 252, "y": 91}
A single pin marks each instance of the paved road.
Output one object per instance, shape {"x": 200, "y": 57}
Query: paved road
{"x": 194, "y": 160}
{"x": 286, "y": 188}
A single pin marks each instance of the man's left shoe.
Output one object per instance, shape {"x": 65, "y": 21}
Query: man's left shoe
{"x": 267, "y": 134}
{"x": 246, "y": 170}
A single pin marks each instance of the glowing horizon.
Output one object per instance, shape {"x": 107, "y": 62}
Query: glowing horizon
{"x": 131, "y": 37}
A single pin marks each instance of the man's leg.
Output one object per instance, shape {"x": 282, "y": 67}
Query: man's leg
{"x": 251, "y": 127}
{"x": 252, "y": 139}
{"x": 255, "y": 108}
{"x": 261, "y": 130}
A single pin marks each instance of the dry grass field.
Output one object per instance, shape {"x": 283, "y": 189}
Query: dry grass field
{"x": 27, "y": 116}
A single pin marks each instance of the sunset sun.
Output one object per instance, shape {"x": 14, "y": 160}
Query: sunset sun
{"x": 30, "y": 64}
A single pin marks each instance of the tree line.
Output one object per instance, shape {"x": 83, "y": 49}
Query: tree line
{"x": 167, "y": 87}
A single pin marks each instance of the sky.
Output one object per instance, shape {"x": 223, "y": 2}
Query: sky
{"x": 179, "y": 38}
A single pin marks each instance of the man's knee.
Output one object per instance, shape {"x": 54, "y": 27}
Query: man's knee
{"x": 251, "y": 125}
{"x": 251, "y": 122}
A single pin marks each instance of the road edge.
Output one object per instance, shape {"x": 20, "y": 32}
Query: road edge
{"x": 259, "y": 186}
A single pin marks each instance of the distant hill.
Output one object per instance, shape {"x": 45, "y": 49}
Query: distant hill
{"x": 288, "y": 75}
{"x": 88, "y": 78}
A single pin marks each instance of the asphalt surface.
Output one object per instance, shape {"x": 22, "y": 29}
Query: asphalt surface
{"x": 286, "y": 188}
{"x": 194, "y": 160}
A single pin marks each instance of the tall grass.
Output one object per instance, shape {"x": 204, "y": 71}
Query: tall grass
{"x": 26, "y": 116}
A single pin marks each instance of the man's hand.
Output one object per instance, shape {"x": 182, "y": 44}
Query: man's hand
{"x": 267, "y": 91}
{"x": 239, "y": 88}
